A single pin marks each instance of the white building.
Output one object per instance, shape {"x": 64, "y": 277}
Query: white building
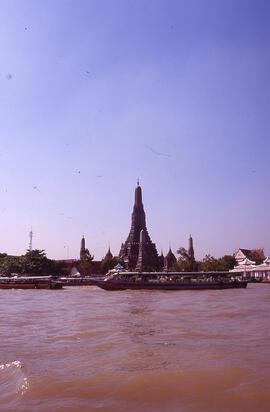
{"x": 249, "y": 269}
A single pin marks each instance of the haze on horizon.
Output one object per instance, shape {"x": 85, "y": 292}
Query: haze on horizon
{"x": 95, "y": 94}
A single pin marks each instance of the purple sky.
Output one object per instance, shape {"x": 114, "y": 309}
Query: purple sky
{"x": 95, "y": 94}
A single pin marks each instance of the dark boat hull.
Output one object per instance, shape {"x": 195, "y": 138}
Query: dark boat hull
{"x": 31, "y": 285}
{"x": 118, "y": 285}
{"x": 79, "y": 282}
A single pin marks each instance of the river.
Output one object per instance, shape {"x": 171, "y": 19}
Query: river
{"x": 85, "y": 349}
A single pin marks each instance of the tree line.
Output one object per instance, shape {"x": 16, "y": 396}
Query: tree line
{"x": 35, "y": 263}
{"x": 209, "y": 263}
{"x": 32, "y": 263}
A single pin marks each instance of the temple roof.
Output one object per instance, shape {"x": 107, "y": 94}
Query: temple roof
{"x": 170, "y": 254}
{"x": 253, "y": 254}
{"x": 109, "y": 254}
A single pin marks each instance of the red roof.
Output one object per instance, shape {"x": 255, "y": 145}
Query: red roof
{"x": 254, "y": 254}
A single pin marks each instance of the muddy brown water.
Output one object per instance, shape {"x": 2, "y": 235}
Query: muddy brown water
{"x": 86, "y": 349}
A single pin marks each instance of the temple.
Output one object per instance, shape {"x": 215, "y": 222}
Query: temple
{"x": 169, "y": 261}
{"x": 139, "y": 252}
{"x": 191, "y": 249}
{"x": 82, "y": 250}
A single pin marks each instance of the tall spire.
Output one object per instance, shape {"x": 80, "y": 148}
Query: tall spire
{"x": 138, "y": 215}
{"x": 82, "y": 251}
{"x": 190, "y": 248}
{"x": 141, "y": 256}
{"x": 130, "y": 249}
{"x": 138, "y": 195}
{"x": 83, "y": 243}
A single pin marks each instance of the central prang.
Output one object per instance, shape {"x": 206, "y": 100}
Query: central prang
{"x": 139, "y": 252}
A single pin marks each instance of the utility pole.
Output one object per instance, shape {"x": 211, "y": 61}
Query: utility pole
{"x": 67, "y": 250}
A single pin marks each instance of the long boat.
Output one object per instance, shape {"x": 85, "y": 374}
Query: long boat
{"x": 80, "y": 281}
{"x": 26, "y": 282}
{"x": 171, "y": 281}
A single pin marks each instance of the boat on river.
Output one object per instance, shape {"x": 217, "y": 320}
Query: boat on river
{"x": 80, "y": 281}
{"x": 171, "y": 281}
{"x": 26, "y": 282}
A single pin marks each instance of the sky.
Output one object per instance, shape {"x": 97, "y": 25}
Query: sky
{"x": 96, "y": 94}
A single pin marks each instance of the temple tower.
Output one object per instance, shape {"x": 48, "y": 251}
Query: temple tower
{"x": 129, "y": 252}
{"x": 82, "y": 250}
{"x": 109, "y": 254}
{"x": 161, "y": 261}
{"x": 190, "y": 249}
{"x": 169, "y": 260}
{"x": 141, "y": 257}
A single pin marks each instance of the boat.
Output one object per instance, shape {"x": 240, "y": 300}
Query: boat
{"x": 171, "y": 281}
{"x": 265, "y": 281}
{"x": 33, "y": 282}
{"x": 80, "y": 281}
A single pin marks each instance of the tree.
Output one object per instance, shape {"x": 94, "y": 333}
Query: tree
{"x": 36, "y": 263}
{"x": 108, "y": 263}
{"x": 84, "y": 262}
{"x": 11, "y": 264}
{"x": 184, "y": 262}
{"x": 86, "y": 256}
{"x": 227, "y": 262}
{"x": 211, "y": 264}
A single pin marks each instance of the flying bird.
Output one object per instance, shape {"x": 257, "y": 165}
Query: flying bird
{"x": 36, "y": 188}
